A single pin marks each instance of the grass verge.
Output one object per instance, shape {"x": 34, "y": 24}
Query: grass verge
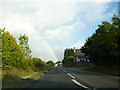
{"x": 114, "y": 71}
{"x": 18, "y": 78}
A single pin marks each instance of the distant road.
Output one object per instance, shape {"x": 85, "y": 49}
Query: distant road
{"x": 61, "y": 77}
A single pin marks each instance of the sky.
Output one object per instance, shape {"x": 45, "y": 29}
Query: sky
{"x": 54, "y": 25}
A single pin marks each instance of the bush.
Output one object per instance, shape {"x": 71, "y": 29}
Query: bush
{"x": 69, "y": 61}
{"x": 50, "y": 64}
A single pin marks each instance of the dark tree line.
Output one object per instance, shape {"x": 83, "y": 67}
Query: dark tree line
{"x": 103, "y": 47}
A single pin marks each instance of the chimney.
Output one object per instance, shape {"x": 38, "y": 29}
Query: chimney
{"x": 74, "y": 54}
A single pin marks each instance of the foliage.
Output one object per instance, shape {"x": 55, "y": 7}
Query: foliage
{"x": 103, "y": 47}
{"x": 58, "y": 62}
{"x": 23, "y": 42}
{"x": 19, "y": 56}
{"x": 68, "y": 52}
{"x": 17, "y": 59}
{"x": 1, "y": 47}
{"x": 12, "y": 55}
{"x": 37, "y": 64}
{"x": 17, "y": 78}
{"x": 50, "y": 64}
{"x": 68, "y": 57}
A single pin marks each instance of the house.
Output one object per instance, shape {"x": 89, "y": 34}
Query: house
{"x": 79, "y": 56}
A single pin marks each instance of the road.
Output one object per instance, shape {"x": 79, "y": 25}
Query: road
{"x": 61, "y": 77}
{"x": 94, "y": 81}
{"x": 55, "y": 78}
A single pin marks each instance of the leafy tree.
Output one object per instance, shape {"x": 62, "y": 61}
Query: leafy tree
{"x": 50, "y": 64}
{"x": 103, "y": 47}
{"x": 68, "y": 57}
{"x": 68, "y": 52}
{"x": 37, "y": 63}
{"x": 23, "y": 42}
{"x": 1, "y": 31}
{"x": 70, "y": 61}
{"x": 58, "y": 62}
{"x": 12, "y": 55}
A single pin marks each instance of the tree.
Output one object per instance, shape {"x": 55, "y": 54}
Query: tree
{"x": 50, "y": 64}
{"x": 12, "y": 55}
{"x": 1, "y": 32}
{"x": 68, "y": 52}
{"x": 23, "y": 42}
{"x": 103, "y": 47}
{"x": 37, "y": 63}
{"x": 58, "y": 63}
{"x": 68, "y": 57}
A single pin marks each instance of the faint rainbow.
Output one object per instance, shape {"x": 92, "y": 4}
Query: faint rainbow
{"x": 51, "y": 51}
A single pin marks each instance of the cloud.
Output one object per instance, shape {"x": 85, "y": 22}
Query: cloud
{"x": 42, "y": 50}
{"x": 62, "y": 33}
{"x": 59, "y": 1}
{"x": 55, "y": 21}
{"x": 79, "y": 44}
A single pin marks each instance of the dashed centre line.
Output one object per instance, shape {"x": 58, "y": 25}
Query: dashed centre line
{"x": 64, "y": 71}
{"x": 70, "y": 75}
{"x": 76, "y": 82}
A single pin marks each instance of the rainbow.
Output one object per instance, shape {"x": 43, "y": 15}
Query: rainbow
{"x": 51, "y": 51}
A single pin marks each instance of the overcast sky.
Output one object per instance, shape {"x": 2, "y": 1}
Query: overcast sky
{"x": 54, "y": 25}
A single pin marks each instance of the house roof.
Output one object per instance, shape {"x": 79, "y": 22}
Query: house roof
{"x": 79, "y": 53}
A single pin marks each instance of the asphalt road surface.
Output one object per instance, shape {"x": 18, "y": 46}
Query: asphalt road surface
{"x": 60, "y": 77}
{"x": 55, "y": 78}
{"x": 94, "y": 81}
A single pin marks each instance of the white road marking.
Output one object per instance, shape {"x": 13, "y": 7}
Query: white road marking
{"x": 76, "y": 82}
{"x": 70, "y": 75}
{"x": 62, "y": 70}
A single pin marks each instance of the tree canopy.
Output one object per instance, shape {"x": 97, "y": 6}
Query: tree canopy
{"x": 14, "y": 55}
{"x": 103, "y": 47}
{"x": 68, "y": 57}
{"x": 23, "y": 42}
{"x": 50, "y": 63}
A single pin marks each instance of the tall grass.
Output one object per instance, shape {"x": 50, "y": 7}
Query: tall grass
{"x": 17, "y": 78}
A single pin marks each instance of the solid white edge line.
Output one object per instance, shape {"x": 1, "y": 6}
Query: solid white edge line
{"x": 70, "y": 75}
{"x": 76, "y": 82}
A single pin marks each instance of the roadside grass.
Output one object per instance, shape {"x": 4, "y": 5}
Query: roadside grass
{"x": 114, "y": 71}
{"x": 0, "y": 75}
{"x": 18, "y": 78}
{"x": 0, "y": 78}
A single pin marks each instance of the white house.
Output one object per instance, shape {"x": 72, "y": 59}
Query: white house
{"x": 79, "y": 56}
